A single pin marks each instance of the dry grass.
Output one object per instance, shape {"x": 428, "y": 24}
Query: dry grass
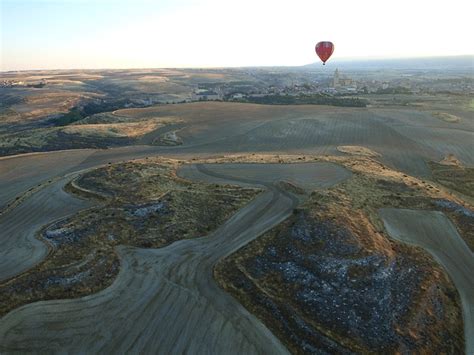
{"x": 451, "y": 159}
{"x": 357, "y": 150}
{"x": 43, "y": 104}
{"x": 401, "y": 190}
{"x": 153, "y": 79}
{"x": 35, "y": 139}
{"x": 275, "y": 300}
{"x": 447, "y": 117}
{"x": 129, "y": 129}
{"x": 455, "y": 177}
{"x": 48, "y": 77}
{"x": 353, "y": 204}
{"x": 357, "y": 164}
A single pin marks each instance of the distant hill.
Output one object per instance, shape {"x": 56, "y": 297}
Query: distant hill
{"x": 454, "y": 63}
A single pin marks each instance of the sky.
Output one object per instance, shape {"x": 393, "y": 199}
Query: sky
{"x": 82, "y": 34}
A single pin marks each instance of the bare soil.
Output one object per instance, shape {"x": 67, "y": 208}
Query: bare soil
{"x": 144, "y": 204}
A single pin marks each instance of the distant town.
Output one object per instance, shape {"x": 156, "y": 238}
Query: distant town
{"x": 256, "y": 84}
{"x": 339, "y": 84}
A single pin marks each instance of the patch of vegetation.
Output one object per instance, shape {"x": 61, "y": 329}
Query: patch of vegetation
{"x": 7, "y": 100}
{"x": 168, "y": 139}
{"x": 26, "y": 141}
{"x": 456, "y": 178}
{"x": 323, "y": 283}
{"x": 144, "y": 204}
{"x": 91, "y": 108}
{"x": 71, "y": 131}
{"x": 56, "y": 138}
{"x": 321, "y": 279}
{"x": 71, "y": 271}
{"x": 72, "y": 116}
{"x": 370, "y": 194}
{"x": 36, "y": 85}
{"x": 100, "y": 106}
{"x": 315, "y": 99}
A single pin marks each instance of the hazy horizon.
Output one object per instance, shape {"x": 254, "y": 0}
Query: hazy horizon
{"x": 83, "y": 34}
{"x": 346, "y": 61}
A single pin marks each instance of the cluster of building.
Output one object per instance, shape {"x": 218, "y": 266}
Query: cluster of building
{"x": 338, "y": 83}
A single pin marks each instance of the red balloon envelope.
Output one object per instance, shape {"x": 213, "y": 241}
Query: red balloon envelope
{"x": 324, "y": 50}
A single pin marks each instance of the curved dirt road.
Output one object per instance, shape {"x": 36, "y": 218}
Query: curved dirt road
{"x": 165, "y": 300}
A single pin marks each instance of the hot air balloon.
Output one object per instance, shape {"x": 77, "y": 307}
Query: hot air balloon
{"x": 324, "y": 50}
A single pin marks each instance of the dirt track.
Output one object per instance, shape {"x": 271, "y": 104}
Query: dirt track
{"x": 166, "y": 299}
{"x": 434, "y": 231}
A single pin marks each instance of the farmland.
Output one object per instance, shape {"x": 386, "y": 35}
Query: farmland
{"x": 197, "y": 210}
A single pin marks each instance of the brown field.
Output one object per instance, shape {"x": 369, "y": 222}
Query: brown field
{"x": 214, "y": 225}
